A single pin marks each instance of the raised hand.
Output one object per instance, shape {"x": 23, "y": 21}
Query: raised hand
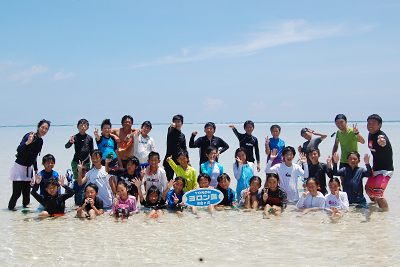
{"x": 267, "y": 140}
{"x": 329, "y": 161}
{"x": 142, "y": 172}
{"x": 336, "y": 194}
{"x": 265, "y": 195}
{"x": 170, "y": 184}
{"x": 246, "y": 193}
{"x": 116, "y": 201}
{"x": 61, "y": 180}
{"x": 169, "y": 158}
{"x": 305, "y": 193}
{"x": 231, "y": 126}
{"x": 335, "y": 157}
{"x": 30, "y": 138}
{"x": 137, "y": 182}
{"x": 366, "y": 158}
{"x": 303, "y": 158}
{"x": 176, "y": 199}
{"x": 274, "y": 154}
{"x": 311, "y": 131}
{"x": 173, "y": 125}
{"x": 240, "y": 162}
{"x": 80, "y": 165}
{"x": 355, "y": 129}
{"x": 381, "y": 141}
{"x": 72, "y": 139}
{"x": 38, "y": 178}
{"x": 194, "y": 133}
{"x": 96, "y": 132}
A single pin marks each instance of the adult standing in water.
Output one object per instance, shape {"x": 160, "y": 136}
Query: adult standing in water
{"x": 382, "y": 167}
{"x": 22, "y": 172}
{"x": 124, "y": 137}
{"x": 347, "y": 137}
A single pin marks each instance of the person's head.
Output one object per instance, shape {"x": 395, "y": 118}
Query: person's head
{"x": 334, "y": 184}
{"x": 374, "y": 123}
{"x": 43, "y": 127}
{"x": 314, "y": 155}
{"x": 122, "y": 190}
{"x": 209, "y": 129}
{"x": 106, "y": 127}
{"x": 306, "y": 134}
{"x": 146, "y": 128}
{"x": 275, "y": 131}
{"x": 97, "y": 156}
{"x": 85, "y": 169}
{"x": 353, "y": 158}
{"x": 224, "y": 180}
{"x": 241, "y": 153}
{"x": 341, "y": 122}
{"x": 153, "y": 159}
{"x": 82, "y": 125}
{"x": 211, "y": 153}
{"x": 91, "y": 190}
{"x": 288, "y": 154}
{"x": 52, "y": 186}
{"x": 183, "y": 157}
{"x": 153, "y": 194}
{"x": 248, "y": 127}
{"x": 178, "y": 120}
{"x": 180, "y": 183}
{"x": 204, "y": 180}
{"x": 312, "y": 185}
{"x": 48, "y": 162}
{"x": 255, "y": 184}
{"x": 272, "y": 181}
{"x": 132, "y": 163}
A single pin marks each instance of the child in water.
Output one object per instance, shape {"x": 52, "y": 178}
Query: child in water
{"x": 48, "y": 162}
{"x": 275, "y": 143}
{"x": 248, "y": 197}
{"x": 243, "y": 171}
{"x": 273, "y": 198}
{"x": 336, "y": 201}
{"x": 311, "y": 199}
{"x": 53, "y": 202}
{"x": 204, "y": 181}
{"x": 124, "y": 205}
{"x": 92, "y": 205}
{"x": 212, "y": 167}
{"x": 175, "y": 195}
{"x": 184, "y": 169}
{"x": 229, "y": 195}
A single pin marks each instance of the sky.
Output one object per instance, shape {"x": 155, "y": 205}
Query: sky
{"x": 220, "y": 61}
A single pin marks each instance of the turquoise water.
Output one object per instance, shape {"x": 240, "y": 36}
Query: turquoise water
{"x": 362, "y": 237}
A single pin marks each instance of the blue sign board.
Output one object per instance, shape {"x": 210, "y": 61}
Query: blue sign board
{"x": 203, "y": 197}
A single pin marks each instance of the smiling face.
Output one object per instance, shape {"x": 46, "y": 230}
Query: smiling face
{"x": 213, "y": 155}
{"x": 272, "y": 183}
{"x": 83, "y": 127}
{"x": 52, "y": 190}
{"x": 241, "y": 155}
{"x": 353, "y": 160}
{"x": 204, "y": 183}
{"x": 224, "y": 183}
{"x": 249, "y": 129}
{"x": 122, "y": 192}
{"x": 209, "y": 130}
{"x": 43, "y": 129}
{"x": 288, "y": 157}
{"x": 334, "y": 187}
{"x": 275, "y": 133}
{"x": 341, "y": 124}
{"x": 127, "y": 124}
{"x": 106, "y": 130}
{"x": 145, "y": 130}
{"x": 307, "y": 136}
{"x": 178, "y": 186}
{"x": 373, "y": 126}
{"x": 153, "y": 161}
{"x": 90, "y": 192}
{"x": 314, "y": 156}
{"x": 153, "y": 197}
{"x": 48, "y": 165}
{"x": 96, "y": 159}
{"x": 183, "y": 160}
{"x": 254, "y": 186}
{"x": 312, "y": 187}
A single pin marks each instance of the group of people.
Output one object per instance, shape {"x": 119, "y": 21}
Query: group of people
{"x": 124, "y": 170}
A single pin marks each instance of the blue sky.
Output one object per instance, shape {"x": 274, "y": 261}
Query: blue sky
{"x": 221, "y": 61}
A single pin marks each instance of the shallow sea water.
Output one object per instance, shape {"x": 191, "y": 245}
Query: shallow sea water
{"x": 364, "y": 236}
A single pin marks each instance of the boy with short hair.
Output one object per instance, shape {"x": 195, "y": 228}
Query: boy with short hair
{"x": 319, "y": 170}
{"x": 144, "y": 144}
{"x": 128, "y": 175}
{"x": 311, "y": 142}
{"x": 53, "y": 202}
{"x": 206, "y": 141}
{"x": 108, "y": 145}
{"x": 229, "y": 194}
{"x": 248, "y": 141}
{"x": 47, "y": 173}
{"x": 275, "y": 143}
{"x": 382, "y": 153}
{"x": 98, "y": 176}
{"x": 184, "y": 169}
{"x": 176, "y": 142}
{"x": 92, "y": 205}
{"x": 154, "y": 175}
{"x": 83, "y": 144}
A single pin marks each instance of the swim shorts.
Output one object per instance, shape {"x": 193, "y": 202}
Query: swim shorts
{"x": 376, "y": 184}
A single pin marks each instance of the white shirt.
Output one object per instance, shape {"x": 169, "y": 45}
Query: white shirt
{"x": 341, "y": 203}
{"x": 159, "y": 179}
{"x": 143, "y": 146}
{"x": 311, "y": 202}
{"x": 101, "y": 178}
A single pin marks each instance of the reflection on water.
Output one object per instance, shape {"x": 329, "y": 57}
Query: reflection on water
{"x": 364, "y": 236}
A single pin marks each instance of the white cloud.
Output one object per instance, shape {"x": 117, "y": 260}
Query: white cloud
{"x": 25, "y": 75}
{"x": 211, "y": 104}
{"x": 61, "y": 75}
{"x": 269, "y": 36}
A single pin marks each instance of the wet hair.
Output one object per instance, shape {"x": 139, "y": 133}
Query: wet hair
{"x": 203, "y": 175}
{"x": 313, "y": 179}
{"x": 340, "y": 116}
{"x": 180, "y": 178}
{"x": 47, "y": 158}
{"x": 123, "y": 183}
{"x": 240, "y": 149}
{"x": 124, "y": 118}
{"x": 43, "y": 122}
{"x": 92, "y": 185}
{"x": 148, "y": 124}
{"x": 354, "y": 153}
{"x": 154, "y": 154}
{"x": 184, "y": 153}
{"x": 85, "y": 168}
{"x": 52, "y": 181}
{"x": 314, "y": 149}
{"x": 303, "y": 131}
{"x": 247, "y": 123}
{"x": 133, "y": 159}
{"x": 83, "y": 121}
{"x": 97, "y": 152}
{"x": 275, "y": 126}
{"x": 210, "y": 124}
{"x": 288, "y": 149}
{"x": 255, "y": 178}
{"x": 106, "y": 122}
{"x": 223, "y": 176}
{"x": 177, "y": 117}
{"x": 273, "y": 175}
{"x": 210, "y": 149}
{"x": 375, "y": 117}
{"x": 152, "y": 189}
{"x": 334, "y": 179}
